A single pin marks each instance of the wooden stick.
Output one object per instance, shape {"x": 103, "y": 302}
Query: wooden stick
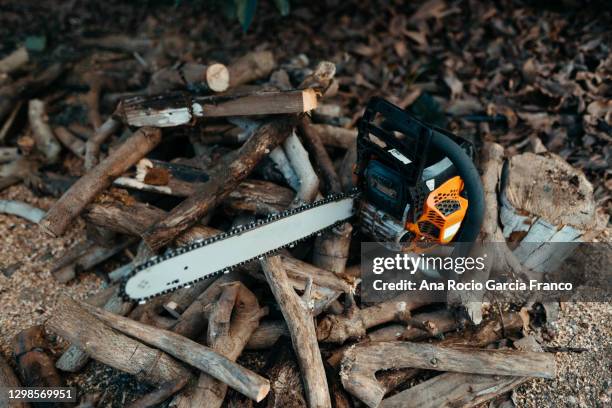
{"x": 89, "y": 186}
{"x": 323, "y": 162}
{"x": 228, "y": 335}
{"x": 75, "y": 358}
{"x": 75, "y": 324}
{"x": 267, "y": 334}
{"x": 335, "y": 136}
{"x": 35, "y": 365}
{"x": 224, "y": 177}
{"x": 298, "y": 157}
{"x": 201, "y": 357}
{"x": 94, "y": 143}
{"x": 250, "y": 67}
{"x": 22, "y": 210}
{"x": 353, "y": 325}
{"x": 14, "y": 60}
{"x": 420, "y": 326}
{"x": 361, "y": 362}
{"x": 179, "y": 109}
{"x": 70, "y": 141}
{"x": 8, "y": 379}
{"x": 303, "y": 335}
{"x": 214, "y": 77}
{"x": 46, "y": 143}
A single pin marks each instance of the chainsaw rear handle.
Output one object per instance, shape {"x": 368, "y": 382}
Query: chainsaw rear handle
{"x": 442, "y": 141}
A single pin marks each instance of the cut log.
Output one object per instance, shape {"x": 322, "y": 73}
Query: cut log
{"x": 192, "y": 76}
{"x": 303, "y": 336}
{"x": 35, "y": 365}
{"x": 8, "y": 379}
{"x": 179, "y": 109}
{"x": 224, "y": 178}
{"x": 63, "y": 212}
{"x": 267, "y": 334}
{"x": 227, "y": 334}
{"x": 251, "y": 67}
{"x": 70, "y": 141}
{"x": 194, "y": 354}
{"x": 331, "y": 249}
{"x": 112, "y": 348}
{"x": 335, "y": 136}
{"x": 46, "y": 143}
{"x": 361, "y": 362}
{"x": 353, "y": 325}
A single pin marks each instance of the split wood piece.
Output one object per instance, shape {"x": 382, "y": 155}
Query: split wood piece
{"x": 419, "y": 326}
{"x": 14, "y": 60}
{"x": 190, "y": 75}
{"x": 8, "y": 379}
{"x": 322, "y": 161}
{"x": 224, "y": 177}
{"x": 194, "y": 354}
{"x": 35, "y": 365}
{"x": 303, "y": 336}
{"x": 544, "y": 199}
{"x": 70, "y": 141}
{"x": 46, "y": 143}
{"x": 26, "y": 87}
{"x": 70, "y": 205}
{"x": 85, "y": 257}
{"x": 335, "y": 136}
{"x": 179, "y": 109}
{"x": 361, "y": 362}
{"x": 251, "y": 67}
{"x": 74, "y": 358}
{"x": 231, "y": 322}
{"x": 75, "y": 324}
{"x": 8, "y": 154}
{"x": 94, "y": 143}
{"x": 21, "y": 209}
{"x": 161, "y": 394}
{"x": 353, "y": 325}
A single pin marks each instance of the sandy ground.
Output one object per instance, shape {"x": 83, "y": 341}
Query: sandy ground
{"x": 28, "y": 297}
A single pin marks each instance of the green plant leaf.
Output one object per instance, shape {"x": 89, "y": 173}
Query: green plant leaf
{"x": 245, "y": 10}
{"x": 283, "y": 6}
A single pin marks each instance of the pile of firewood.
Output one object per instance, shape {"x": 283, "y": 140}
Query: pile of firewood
{"x": 257, "y": 152}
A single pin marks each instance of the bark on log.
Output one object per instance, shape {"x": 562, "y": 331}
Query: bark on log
{"x": 303, "y": 336}
{"x": 179, "y": 109}
{"x": 190, "y": 75}
{"x": 317, "y": 151}
{"x": 267, "y": 334}
{"x": 194, "y": 354}
{"x": 70, "y": 141}
{"x": 361, "y": 362}
{"x": 36, "y": 367}
{"x": 335, "y": 136}
{"x": 46, "y": 143}
{"x": 332, "y": 247}
{"x": 251, "y": 67}
{"x": 8, "y": 379}
{"x": 75, "y": 324}
{"x": 94, "y": 143}
{"x": 224, "y": 177}
{"x": 353, "y": 325}
{"x": 74, "y": 358}
{"x": 227, "y": 334}
{"x": 82, "y": 192}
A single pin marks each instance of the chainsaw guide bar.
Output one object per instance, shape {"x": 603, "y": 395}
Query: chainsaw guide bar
{"x": 243, "y": 244}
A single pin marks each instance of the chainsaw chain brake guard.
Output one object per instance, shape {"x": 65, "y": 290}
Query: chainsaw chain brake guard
{"x": 412, "y": 193}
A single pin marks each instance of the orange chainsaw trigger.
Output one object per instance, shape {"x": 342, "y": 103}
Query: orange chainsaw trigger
{"x": 442, "y": 214}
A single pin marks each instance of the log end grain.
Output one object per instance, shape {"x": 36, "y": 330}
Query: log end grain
{"x": 218, "y": 77}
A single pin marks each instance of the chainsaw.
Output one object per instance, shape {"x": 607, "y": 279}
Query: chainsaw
{"x": 414, "y": 184}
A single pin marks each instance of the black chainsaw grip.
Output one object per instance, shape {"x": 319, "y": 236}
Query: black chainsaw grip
{"x": 472, "y": 222}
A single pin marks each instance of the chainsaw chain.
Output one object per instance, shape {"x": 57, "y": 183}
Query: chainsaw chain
{"x": 229, "y": 234}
